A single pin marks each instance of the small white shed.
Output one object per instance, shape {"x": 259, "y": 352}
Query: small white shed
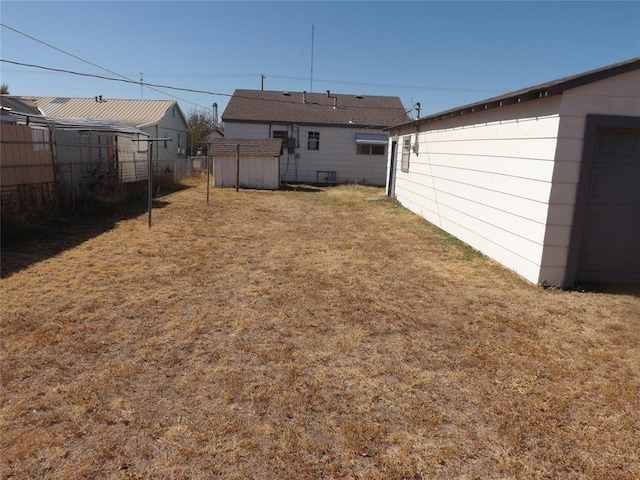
{"x": 545, "y": 180}
{"x": 246, "y": 162}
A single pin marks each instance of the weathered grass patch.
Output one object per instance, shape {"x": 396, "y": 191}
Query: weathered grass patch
{"x": 305, "y": 334}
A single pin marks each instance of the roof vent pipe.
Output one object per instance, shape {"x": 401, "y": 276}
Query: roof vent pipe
{"x": 335, "y": 99}
{"x": 304, "y": 96}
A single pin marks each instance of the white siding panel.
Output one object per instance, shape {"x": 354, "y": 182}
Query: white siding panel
{"x": 619, "y": 95}
{"x": 488, "y": 183}
{"x": 521, "y": 255}
{"x": 569, "y": 149}
{"x": 255, "y": 172}
{"x": 536, "y": 169}
{"x": 563, "y": 193}
{"x": 537, "y": 211}
{"x": 515, "y": 148}
{"x": 526, "y": 188}
{"x": 337, "y": 154}
{"x": 525, "y": 227}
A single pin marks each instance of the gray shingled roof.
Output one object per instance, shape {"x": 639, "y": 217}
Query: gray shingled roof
{"x": 264, "y": 106}
{"x": 249, "y": 147}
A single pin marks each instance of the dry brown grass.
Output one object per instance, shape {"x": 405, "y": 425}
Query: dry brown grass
{"x": 306, "y": 335}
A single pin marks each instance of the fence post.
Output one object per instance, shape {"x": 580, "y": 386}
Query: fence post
{"x": 73, "y": 187}
{"x": 237, "y": 167}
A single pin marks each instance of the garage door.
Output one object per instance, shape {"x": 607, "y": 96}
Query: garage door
{"x": 609, "y": 248}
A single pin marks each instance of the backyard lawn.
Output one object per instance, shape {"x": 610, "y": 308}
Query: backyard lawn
{"x": 307, "y": 334}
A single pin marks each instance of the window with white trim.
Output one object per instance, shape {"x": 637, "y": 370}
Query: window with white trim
{"x": 406, "y": 154}
{"x": 313, "y": 141}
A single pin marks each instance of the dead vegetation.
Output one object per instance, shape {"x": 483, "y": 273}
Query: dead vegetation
{"x": 301, "y": 334}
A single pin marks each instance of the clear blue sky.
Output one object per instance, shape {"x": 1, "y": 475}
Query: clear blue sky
{"x": 441, "y": 54}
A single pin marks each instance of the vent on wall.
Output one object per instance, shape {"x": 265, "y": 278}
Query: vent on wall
{"x": 326, "y": 177}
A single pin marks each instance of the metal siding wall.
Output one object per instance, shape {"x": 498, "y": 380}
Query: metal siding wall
{"x": 23, "y": 160}
{"x": 619, "y": 96}
{"x": 255, "y": 172}
{"x": 486, "y": 179}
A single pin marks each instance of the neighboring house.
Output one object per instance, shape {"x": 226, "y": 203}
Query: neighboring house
{"x": 203, "y": 149}
{"x": 246, "y": 163}
{"x": 13, "y": 104}
{"x": 156, "y": 118}
{"x": 46, "y": 158}
{"x": 327, "y": 137}
{"x": 545, "y": 180}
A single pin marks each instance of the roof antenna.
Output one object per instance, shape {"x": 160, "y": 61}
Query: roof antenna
{"x": 312, "y": 36}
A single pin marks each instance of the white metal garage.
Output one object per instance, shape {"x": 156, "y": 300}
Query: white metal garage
{"x": 533, "y": 178}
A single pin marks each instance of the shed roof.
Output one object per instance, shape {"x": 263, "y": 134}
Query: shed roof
{"x": 547, "y": 89}
{"x": 78, "y": 124}
{"x": 305, "y": 108}
{"x": 249, "y": 147}
{"x": 132, "y": 112}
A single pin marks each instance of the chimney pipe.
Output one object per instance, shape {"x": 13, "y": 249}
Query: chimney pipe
{"x": 335, "y": 99}
{"x": 304, "y": 96}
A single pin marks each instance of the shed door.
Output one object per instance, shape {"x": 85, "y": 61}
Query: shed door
{"x": 610, "y": 243}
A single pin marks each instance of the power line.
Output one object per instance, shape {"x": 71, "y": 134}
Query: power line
{"x": 122, "y": 80}
{"x": 90, "y": 63}
{"x": 190, "y": 90}
{"x": 388, "y": 85}
{"x": 344, "y": 82}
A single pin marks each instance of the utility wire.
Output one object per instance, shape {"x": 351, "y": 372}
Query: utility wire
{"x": 190, "y": 90}
{"x": 92, "y": 64}
{"x": 123, "y": 80}
{"x": 151, "y": 85}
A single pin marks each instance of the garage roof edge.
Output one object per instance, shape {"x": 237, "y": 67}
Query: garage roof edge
{"x": 535, "y": 92}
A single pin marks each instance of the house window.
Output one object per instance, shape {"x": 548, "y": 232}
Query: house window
{"x": 313, "y": 141}
{"x": 406, "y": 153}
{"x": 365, "y": 149}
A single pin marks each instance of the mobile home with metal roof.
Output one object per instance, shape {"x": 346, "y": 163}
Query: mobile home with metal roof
{"x": 156, "y": 118}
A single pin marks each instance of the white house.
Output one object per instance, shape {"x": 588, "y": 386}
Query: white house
{"x": 327, "y": 137}
{"x": 156, "y": 118}
{"x": 545, "y": 180}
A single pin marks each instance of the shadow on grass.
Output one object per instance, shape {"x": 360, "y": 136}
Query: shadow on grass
{"x": 58, "y": 231}
{"x": 299, "y": 187}
{"x": 630, "y": 289}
